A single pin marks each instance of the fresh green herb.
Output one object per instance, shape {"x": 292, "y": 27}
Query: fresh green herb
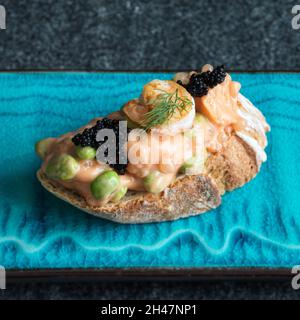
{"x": 164, "y": 107}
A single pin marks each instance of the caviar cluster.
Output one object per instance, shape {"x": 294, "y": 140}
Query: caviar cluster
{"x": 87, "y": 138}
{"x": 200, "y": 83}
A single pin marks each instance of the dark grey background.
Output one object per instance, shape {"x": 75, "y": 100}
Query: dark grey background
{"x": 153, "y": 290}
{"x": 157, "y": 34}
{"x": 152, "y": 35}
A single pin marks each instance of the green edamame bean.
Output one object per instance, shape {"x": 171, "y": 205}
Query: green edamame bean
{"x": 155, "y": 182}
{"x": 86, "y": 153}
{"x": 63, "y": 167}
{"x": 105, "y": 184}
{"x": 119, "y": 194}
{"x": 42, "y": 147}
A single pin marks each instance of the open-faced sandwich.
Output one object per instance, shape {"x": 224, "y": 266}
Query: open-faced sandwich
{"x": 169, "y": 154}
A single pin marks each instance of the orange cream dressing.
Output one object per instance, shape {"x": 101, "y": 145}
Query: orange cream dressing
{"x": 224, "y": 111}
{"x": 133, "y": 179}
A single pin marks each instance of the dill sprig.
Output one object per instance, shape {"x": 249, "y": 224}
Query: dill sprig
{"x": 164, "y": 107}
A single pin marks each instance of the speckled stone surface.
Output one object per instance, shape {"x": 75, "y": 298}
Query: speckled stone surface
{"x": 178, "y": 34}
{"x": 153, "y": 290}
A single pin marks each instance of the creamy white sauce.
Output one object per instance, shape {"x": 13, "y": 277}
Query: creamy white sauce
{"x": 253, "y": 117}
{"x": 254, "y": 124}
{"x": 261, "y": 156}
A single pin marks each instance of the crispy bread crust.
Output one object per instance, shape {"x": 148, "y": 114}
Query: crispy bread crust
{"x": 234, "y": 166}
{"x": 187, "y": 196}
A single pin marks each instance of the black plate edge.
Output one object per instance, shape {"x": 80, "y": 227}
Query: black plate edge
{"x": 149, "y": 274}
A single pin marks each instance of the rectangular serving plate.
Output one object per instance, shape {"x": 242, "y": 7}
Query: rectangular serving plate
{"x": 144, "y": 273}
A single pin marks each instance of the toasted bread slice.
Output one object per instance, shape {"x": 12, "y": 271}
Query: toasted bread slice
{"x": 187, "y": 196}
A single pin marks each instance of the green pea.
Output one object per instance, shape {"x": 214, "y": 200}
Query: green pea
{"x": 119, "y": 194}
{"x": 63, "y": 167}
{"x": 155, "y": 182}
{"x": 42, "y": 147}
{"x": 105, "y": 184}
{"x": 86, "y": 153}
{"x": 193, "y": 165}
{"x": 187, "y": 165}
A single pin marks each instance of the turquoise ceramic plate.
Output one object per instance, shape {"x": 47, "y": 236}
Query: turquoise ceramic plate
{"x": 255, "y": 231}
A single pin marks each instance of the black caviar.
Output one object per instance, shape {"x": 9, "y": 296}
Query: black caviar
{"x": 197, "y": 87}
{"x": 87, "y": 138}
{"x": 200, "y": 83}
